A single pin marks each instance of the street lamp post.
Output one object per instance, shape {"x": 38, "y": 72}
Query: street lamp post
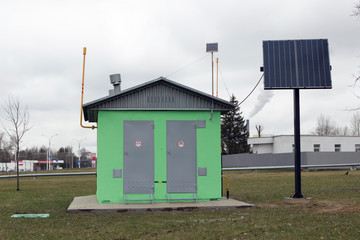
{"x": 72, "y": 158}
{"x": 48, "y": 154}
{"x": 79, "y": 143}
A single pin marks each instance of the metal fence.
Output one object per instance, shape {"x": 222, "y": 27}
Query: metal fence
{"x": 321, "y": 160}
{"x": 48, "y": 174}
{"x": 286, "y": 160}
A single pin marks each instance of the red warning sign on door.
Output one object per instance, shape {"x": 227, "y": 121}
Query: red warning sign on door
{"x": 138, "y": 143}
{"x": 181, "y": 144}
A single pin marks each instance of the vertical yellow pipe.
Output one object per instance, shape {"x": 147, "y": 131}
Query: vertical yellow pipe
{"x": 227, "y": 186}
{"x": 217, "y": 76}
{"x": 82, "y": 93}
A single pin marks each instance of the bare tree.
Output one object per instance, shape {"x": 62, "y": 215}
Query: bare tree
{"x": 345, "y": 131}
{"x": 5, "y": 149}
{"x": 356, "y": 12}
{"x": 17, "y": 118}
{"x": 326, "y": 126}
{"x": 356, "y": 84}
{"x": 341, "y": 131}
{"x": 259, "y": 129}
{"x": 355, "y": 124}
{"x": 2, "y": 144}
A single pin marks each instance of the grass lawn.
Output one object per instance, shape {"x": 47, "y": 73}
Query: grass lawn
{"x": 334, "y": 212}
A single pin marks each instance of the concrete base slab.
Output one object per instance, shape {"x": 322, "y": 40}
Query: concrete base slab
{"x": 297, "y": 200}
{"x": 90, "y": 204}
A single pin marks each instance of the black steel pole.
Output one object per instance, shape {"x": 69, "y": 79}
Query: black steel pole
{"x": 212, "y": 73}
{"x": 297, "y": 144}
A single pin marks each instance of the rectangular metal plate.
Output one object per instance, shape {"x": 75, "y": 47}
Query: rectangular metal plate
{"x": 117, "y": 173}
{"x": 138, "y": 157}
{"x": 181, "y": 156}
{"x": 302, "y": 64}
{"x": 202, "y": 171}
{"x": 201, "y": 123}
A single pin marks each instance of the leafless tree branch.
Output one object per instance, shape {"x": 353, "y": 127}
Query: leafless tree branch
{"x": 356, "y": 12}
{"x": 17, "y": 119}
{"x": 355, "y": 124}
{"x": 259, "y": 129}
{"x": 326, "y": 126}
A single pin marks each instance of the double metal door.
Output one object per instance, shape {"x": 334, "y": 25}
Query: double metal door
{"x": 181, "y": 160}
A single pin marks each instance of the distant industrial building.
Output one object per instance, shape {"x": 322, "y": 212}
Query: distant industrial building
{"x": 309, "y": 143}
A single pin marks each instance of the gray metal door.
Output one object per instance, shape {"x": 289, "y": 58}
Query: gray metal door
{"x": 138, "y": 157}
{"x": 181, "y": 156}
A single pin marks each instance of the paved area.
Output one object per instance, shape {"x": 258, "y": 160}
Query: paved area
{"x": 90, "y": 204}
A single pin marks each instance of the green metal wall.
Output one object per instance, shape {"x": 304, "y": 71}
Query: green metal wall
{"x": 110, "y": 153}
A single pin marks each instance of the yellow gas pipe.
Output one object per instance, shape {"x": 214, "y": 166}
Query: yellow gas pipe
{"x": 217, "y": 76}
{"x": 227, "y": 186}
{"x": 82, "y": 94}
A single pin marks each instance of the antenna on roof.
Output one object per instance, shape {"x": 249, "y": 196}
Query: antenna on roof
{"x": 212, "y": 47}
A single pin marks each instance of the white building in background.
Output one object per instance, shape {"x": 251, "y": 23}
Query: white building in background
{"x": 29, "y": 165}
{"x": 309, "y": 143}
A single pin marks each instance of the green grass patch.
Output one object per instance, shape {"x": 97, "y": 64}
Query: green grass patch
{"x": 334, "y": 212}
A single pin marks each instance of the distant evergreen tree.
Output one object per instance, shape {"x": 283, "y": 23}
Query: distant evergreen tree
{"x": 234, "y": 133}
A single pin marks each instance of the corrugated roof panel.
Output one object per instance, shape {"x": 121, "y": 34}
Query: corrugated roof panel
{"x": 160, "y": 94}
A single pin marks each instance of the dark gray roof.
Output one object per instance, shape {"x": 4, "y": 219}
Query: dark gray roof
{"x": 159, "y": 94}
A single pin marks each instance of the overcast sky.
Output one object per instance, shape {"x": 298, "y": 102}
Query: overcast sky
{"x": 41, "y": 46}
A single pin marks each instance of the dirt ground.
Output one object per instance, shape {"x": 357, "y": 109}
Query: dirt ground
{"x": 320, "y": 206}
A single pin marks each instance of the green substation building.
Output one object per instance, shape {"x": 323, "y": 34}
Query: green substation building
{"x": 157, "y": 142}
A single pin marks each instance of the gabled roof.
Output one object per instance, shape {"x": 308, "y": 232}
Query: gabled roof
{"x": 160, "y": 94}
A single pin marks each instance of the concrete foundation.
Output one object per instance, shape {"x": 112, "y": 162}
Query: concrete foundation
{"x": 90, "y": 204}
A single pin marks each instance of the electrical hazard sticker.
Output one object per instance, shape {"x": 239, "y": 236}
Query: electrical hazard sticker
{"x": 181, "y": 144}
{"x": 138, "y": 143}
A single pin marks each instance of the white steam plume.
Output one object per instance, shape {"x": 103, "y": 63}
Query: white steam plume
{"x": 262, "y": 99}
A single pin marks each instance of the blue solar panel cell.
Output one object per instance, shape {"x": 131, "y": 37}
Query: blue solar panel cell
{"x": 292, "y": 64}
{"x": 301, "y": 58}
{"x": 291, "y": 45}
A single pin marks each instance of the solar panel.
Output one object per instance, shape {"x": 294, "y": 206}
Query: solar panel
{"x": 211, "y": 47}
{"x": 290, "y": 64}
